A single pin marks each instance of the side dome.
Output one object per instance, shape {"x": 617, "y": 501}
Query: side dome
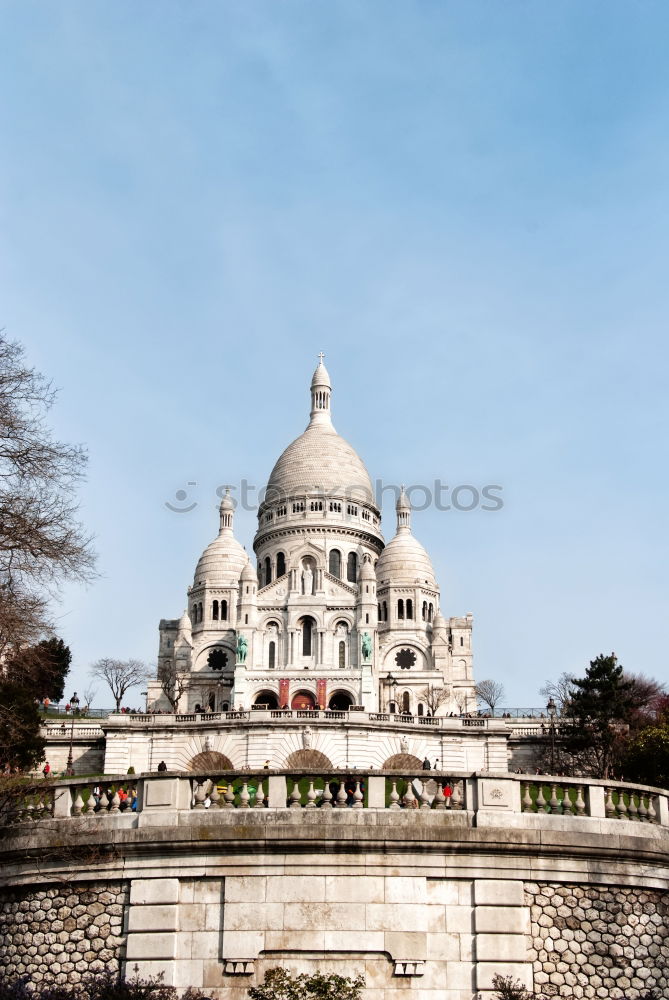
{"x": 404, "y": 561}
{"x": 223, "y": 559}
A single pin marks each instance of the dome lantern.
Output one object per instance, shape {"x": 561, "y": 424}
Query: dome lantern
{"x": 321, "y": 392}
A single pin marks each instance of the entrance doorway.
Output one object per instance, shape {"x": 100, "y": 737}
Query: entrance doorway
{"x": 340, "y": 702}
{"x": 303, "y": 700}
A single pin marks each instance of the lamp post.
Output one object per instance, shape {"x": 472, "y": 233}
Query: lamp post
{"x": 392, "y": 685}
{"x": 74, "y": 703}
{"x": 551, "y": 708}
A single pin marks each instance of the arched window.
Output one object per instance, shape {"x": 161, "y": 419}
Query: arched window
{"x": 429, "y": 612}
{"x": 420, "y": 707}
{"x": 335, "y": 563}
{"x": 272, "y": 654}
{"x": 307, "y": 630}
{"x": 409, "y": 608}
{"x": 400, "y": 609}
{"x": 268, "y": 571}
{"x": 194, "y": 615}
{"x": 280, "y": 564}
{"x": 352, "y": 567}
{"x": 424, "y": 610}
{"x": 214, "y": 611}
{"x": 385, "y": 611}
{"x": 406, "y": 704}
{"x": 392, "y": 707}
{"x": 224, "y": 611}
{"x": 380, "y": 612}
{"x": 342, "y": 655}
{"x": 199, "y": 612}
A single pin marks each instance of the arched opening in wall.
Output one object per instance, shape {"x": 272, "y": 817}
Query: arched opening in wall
{"x": 430, "y": 612}
{"x": 225, "y": 707}
{"x": 211, "y": 701}
{"x": 308, "y": 759}
{"x": 402, "y": 762}
{"x": 307, "y": 625}
{"x": 406, "y": 703}
{"x": 280, "y": 564}
{"x": 352, "y": 567}
{"x": 303, "y": 700}
{"x": 214, "y": 611}
{"x": 268, "y": 571}
{"x": 199, "y": 612}
{"x": 392, "y": 707}
{"x": 400, "y": 609}
{"x": 424, "y": 613}
{"x": 420, "y": 710}
{"x": 409, "y": 608}
{"x": 385, "y": 611}
{"x": 266, "y": 698}
{"x": 334, "y": 563}
{"x": 193, "y": 616}
{"x": 340, "y": 701}
{"x": 272, "y": 655}
{"x": 210, "y": 761}
{"x": 224, "y": 611}
{"x": 342, "y": 655}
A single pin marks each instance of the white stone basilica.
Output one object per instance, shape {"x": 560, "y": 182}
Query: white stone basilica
{"x": 331, "y": 618}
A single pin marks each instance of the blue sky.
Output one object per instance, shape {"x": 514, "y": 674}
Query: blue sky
{"x": 464, "y": 205}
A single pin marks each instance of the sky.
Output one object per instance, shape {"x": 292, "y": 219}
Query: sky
{"x": 464, "y": 205}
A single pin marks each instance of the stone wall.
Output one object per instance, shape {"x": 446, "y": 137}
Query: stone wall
{"x": 57, "y": 934}
{"x": 590, "y": 941}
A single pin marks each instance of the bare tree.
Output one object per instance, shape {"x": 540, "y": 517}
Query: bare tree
{"x": 41, "y": 540}
{"x": 490, "y": 693}
{"x": 120, "y": 675}
{"x": 89, "y": 694}
{"x": 172, "y": 683}
{"x": 561, "y": 691}
{"x": 433, "y": 697}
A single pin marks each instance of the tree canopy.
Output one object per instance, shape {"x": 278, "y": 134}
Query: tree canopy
{"x": 278, "y": 984}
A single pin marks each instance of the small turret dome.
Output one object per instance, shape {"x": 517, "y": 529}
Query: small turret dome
{"x": 321, "y": 378}
{"x": 184, "y": 624}
{"x": 249, "y": 574}
{"x": 223, "y": 559}
{"x": 367, "y": 569}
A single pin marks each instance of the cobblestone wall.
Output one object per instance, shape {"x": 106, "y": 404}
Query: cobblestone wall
{"x": 598, "y": 942}
{"x": 56, "y": 935}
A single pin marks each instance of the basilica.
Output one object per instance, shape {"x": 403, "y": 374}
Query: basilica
{"x": 329, "y": 617}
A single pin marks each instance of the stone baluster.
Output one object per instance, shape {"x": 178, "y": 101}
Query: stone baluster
{"x": 609, "y": 805}
{"x": 357, "y": 796}
{"x": 394, "y": 796}
{"x": 566, "y": 800}
{"x": 259, "y": 802}
{"x": 621, "y": 808}
{"x": 294, "y": 800}
{"x": 643, "y": 812}
{"x": 244, "y": 796}
{"x": 115, "y": 804}
{"x": 311, "y": 795}
{"x": 229, "y": 795}
{"x": 199, "y": 794}
{"x": 632, "y": 811}
{"x": 579, "y": 803}
{"x": 214, "y": 795}
{"x": 424, "y": 797}
{"x": 341, "y": 796}
{"x": 542, "y": 801}
{"x": 439, "y": 801}
{"x": 326, "y": 799}
{"x": 104, "y": 802}
{"x": 554, "y": 801}
{"x": 78, "y": 804}
{"x": 456, "y": 798}
{"x": 652, "y": 810}
{"x": 409, "y": 799}
{"x": 526, "y": 800}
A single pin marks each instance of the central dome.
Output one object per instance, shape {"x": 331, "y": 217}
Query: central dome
{"x": 320, "y": 461}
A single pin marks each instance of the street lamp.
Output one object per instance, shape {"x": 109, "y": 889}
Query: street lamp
{"x": 74, "y": 704}
{"x": 551, "y": 708}
{"x": 392, "y": 685}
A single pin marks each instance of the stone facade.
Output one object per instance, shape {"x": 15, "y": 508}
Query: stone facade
{"x": 330, "y": 616}
{"x": 57, "y": 934}
{"x": 598, "y": 941}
